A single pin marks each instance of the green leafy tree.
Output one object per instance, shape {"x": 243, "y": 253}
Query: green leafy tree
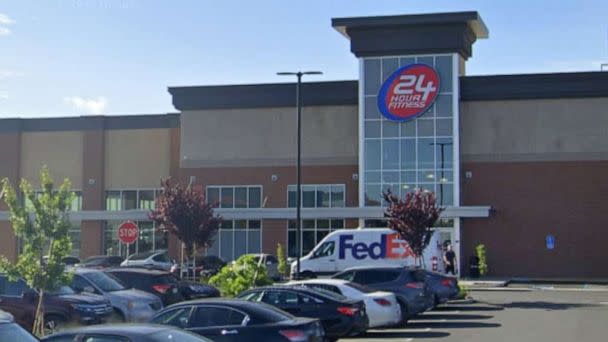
{"x": 43, "y": 227}
{"x": 413, "y": 218}
{"x": 183, "y": 211}
{"x": 282, "y": 267}
{"x": 241, "y": 275}
{"x": 480, "y": 250}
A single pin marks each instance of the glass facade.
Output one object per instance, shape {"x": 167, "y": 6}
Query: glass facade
{"x": 314, "y": 230}
{"x": 131, "y": 199}
{"x": 403, "y": 156}
{"x": 236, "y": 237}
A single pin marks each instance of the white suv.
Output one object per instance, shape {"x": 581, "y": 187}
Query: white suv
{"x": 157, "y": 259}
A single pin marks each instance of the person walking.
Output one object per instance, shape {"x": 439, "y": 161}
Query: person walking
{"x": 449, "y": 258}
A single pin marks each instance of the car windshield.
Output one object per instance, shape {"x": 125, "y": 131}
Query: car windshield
{"x": 360, "y": 288}
{"x": 106, "y": 282}
{"x": 142, "y": 256}
{"x": 93, "y": 261}
{"x": 62, "y": 290}
{"x": 329, "y": 294}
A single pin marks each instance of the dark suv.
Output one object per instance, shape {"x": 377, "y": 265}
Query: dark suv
{"x": 61, "y": 306}
{"x": 413, "y": 295}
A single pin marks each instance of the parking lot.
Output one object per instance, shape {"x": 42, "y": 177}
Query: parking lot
{"x": 535, "y": 315}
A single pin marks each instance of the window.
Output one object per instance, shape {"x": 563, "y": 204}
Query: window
{"x": 314, "y": 230}
{"x": 104, "y": 338}
{"x": 252, "y": 296}
{"x": 212, "y": 316}
{"x": 350, "y": 276}
{"x": 12, "y": 288}
{"x": 131, "y": 199}
{"x": 79, "y": 283}
{"x": 423, "y": 144}
{"x": 376, "y": 276}
{"x": 236, "y": 237}
{"x": 76, "y": 201}
{"x": 326, "y": 287}
{"x": 177, "y": 318}
{"x": 280, "y": 298}
{"x": 325, "y": 250}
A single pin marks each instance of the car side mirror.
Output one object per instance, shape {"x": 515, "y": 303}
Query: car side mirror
{"x": 88, "y": 289}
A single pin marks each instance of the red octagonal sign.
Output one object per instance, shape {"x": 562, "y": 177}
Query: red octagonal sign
{"x": 128, "y": 232}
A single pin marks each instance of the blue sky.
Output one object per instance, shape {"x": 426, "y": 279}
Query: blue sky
{"x": 80, "y": 57}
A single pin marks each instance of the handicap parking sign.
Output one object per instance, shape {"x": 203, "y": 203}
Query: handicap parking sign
{"x": 550, "y": 240}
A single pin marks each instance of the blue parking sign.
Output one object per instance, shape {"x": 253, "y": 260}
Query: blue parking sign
{"x": 550, "y": 240}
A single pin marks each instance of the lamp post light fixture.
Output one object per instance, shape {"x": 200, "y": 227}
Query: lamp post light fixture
{"x": 299, "y": 75}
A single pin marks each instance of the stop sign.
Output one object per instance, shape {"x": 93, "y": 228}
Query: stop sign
{"x": 128, "y": 232}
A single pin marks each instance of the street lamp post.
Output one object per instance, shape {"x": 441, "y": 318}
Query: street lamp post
{"x": 299, "y": 75}
{"x": 442, "y": 146}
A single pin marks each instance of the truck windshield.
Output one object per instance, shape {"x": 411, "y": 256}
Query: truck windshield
{"x": 326, "y": 249}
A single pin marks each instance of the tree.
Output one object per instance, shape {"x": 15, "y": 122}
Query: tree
{"x": 183, "y": 211}
{"x": 241, "y": 275}
{"x": 43, "y": 227}
{"x": 282, "y": 267}
{"x": 413, "y": 218}
{"x": 480, "y": 250}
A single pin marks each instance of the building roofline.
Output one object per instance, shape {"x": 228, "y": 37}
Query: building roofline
{"x": 92, "y": 122}
{"x": 472, "y": 18}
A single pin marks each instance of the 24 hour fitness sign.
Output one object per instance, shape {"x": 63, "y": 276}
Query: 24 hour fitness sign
{"x": 408, "y": 92}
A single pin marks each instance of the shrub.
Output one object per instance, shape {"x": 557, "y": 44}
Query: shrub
{"x": 282, "y": 267}
{"x": 481, "y": 254}
{"x": 243, "y": 274}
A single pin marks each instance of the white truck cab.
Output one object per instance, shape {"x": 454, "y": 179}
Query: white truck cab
{"x": 347, "y": 248}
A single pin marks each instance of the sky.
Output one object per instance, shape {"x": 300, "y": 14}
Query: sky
{"x": 91, "y": 57}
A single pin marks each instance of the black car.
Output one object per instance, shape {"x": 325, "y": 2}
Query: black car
{"x": 124, "y": 333}
{"x": 231, "y": 320}
{"x": 444, "y": 287}
{"x": 102, "y": 261}
{"x": 193, "y": 290}
{"x": 11, "y": 331}
{"x": 161, "y": 283}
{"x": 414, "y": 295}
{"x": 339, "y": 315}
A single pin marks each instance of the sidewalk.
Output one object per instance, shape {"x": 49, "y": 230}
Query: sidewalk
{"x": 529, "y": 284}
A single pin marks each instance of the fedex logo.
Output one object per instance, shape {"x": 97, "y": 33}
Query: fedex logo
{"x": 389, "y": 247}
{"x": 408, "y": 92}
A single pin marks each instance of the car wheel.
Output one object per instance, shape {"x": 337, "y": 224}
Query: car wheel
{"x": 53, "y": 323}
{"x": 117, "y": 317}
{"x": 404, "y": 312}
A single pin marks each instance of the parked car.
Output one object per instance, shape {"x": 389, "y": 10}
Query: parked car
{"x": 339, "y": 315}
{"x": 62, "y": 306}
{"x": 231, "y": 320}
{"x": 11, "y": 331}
{"x": 68, "y": 261}
{"x": 207, "y": 266}
{"x": 163, "y": 284}
{"x": 157, "y": 259}
{"x": 130, "y": 305}
{"x": 382, "y": 307}
{"x": 193, "y": 290}
{"x": 272, "y": 265}
{"x": 371, "y": 247}
{"x": 414, "y": 296}
{"x": 102, "y": 261}
{"x": 125, "y": 333}
{"x": 444, "y": 287}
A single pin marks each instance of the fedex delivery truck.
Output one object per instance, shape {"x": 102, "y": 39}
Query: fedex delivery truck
{"x": 346, "y": 248}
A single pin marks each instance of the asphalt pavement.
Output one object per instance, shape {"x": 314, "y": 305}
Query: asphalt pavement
{"x": 536, "y": 314}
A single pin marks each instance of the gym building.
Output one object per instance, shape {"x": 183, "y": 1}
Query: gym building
{"x": 520, "y": 162}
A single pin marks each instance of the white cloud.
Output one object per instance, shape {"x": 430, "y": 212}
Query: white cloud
{"x": 89, "y": 106}
{"x": 4, "y": 31}
{"x": 5, "y": 19}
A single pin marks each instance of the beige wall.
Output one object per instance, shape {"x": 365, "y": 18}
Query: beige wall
{"x": 534, "y": 130}
{"x": 267, "y": 136}
{"x": 136, "y": 158}
{"x": 61, "y": 151}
